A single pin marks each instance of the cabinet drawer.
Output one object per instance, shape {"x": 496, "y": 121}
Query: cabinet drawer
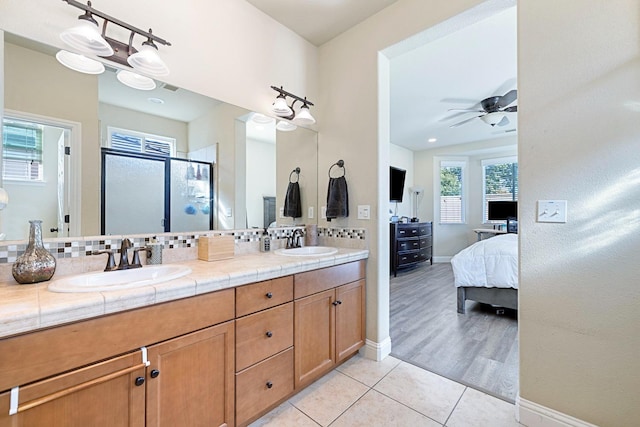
{"x": 425, "y": 242}
{"x": 424, "y": 230}
{"x": 311, "y": 282}
{"x": 263, "y": 384}
{"x": 408, "y": 230}
{"x": 263, "y": 295}
{"x": 409, "y": 257}
{"x": 425, "y": 253}
{"x": 263, "y": 334}
{"x": 409, "y": 244}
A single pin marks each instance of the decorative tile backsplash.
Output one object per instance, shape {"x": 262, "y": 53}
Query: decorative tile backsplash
{"x": 85, "y": 246}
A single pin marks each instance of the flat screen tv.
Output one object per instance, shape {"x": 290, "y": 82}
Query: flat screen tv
{"x": 396, "y": 184}
{"x": 501, "y": 210}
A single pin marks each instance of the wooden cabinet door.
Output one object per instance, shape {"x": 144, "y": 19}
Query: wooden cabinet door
{"x": 101, "y": 395}
{"x": 350, "y": 319}
{"x": 314, "y": 336}
{"x": 190, "y": 379}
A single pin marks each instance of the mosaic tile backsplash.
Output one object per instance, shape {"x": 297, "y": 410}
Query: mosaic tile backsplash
{"x": 85, "y": 246}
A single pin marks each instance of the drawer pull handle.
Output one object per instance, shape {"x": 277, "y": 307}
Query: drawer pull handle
{"x": 139, "y": 381}
{"x": 269, "y": 384}
{"x": 269, "y": 295}
{"x": 338, "y": 302}
{"x": 269, "y": 334}
{"x": 154, "y": 373}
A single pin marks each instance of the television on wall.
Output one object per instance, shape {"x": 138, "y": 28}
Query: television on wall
{"x": 396, "y": 184}
{"x": 502, "y": 210}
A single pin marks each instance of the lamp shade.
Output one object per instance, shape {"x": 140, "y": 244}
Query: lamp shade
{"x": 285, "y": 126}
{"x": 148, "y": 61}
{"x": 135, "y": 81}
{"x": 86, "y": 38}
{"x": 280, "y": 107}
{"x": 304, "y": 117}
{"x": 79, "y": 63}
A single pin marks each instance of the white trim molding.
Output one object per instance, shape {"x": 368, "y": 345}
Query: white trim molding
{"x": 532, "y": 414}
{"x": 376, "y": 350}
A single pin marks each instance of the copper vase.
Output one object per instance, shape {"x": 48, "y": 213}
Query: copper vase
{"x": 36, "y": 264}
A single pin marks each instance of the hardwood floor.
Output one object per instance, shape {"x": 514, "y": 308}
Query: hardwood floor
{"x": 478, "y": 349}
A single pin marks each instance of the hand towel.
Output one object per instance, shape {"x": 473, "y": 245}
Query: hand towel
{"x": 292, "y": 203}
{"x": 337, "y": 198}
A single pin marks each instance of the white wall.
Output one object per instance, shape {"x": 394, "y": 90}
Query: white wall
{"x": 402, "y": 158}
{"x": 261, "y": 179}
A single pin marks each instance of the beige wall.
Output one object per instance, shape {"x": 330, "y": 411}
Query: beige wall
{"x": 402, "y": 158}
{"x": 578, "y": 141}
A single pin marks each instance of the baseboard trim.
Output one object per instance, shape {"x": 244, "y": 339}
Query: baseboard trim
{"x": 442, "y": 259}
{"x": 376, "y": 350}
{"x": 532, "y": 414}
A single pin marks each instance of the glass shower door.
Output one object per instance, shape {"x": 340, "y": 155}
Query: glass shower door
{"x": 190, "y": 195}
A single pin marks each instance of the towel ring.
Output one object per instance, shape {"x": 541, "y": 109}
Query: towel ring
{"x": 340, "y": 164}
{"x": 297, "y": 172}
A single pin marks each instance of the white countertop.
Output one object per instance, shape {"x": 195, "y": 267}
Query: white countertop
{"x": 25, "y": 308}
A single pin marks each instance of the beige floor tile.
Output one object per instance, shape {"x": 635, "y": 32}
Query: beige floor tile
{"x": 478, "y": 409}
{"x": 375, "y": 409}
{"x": 426, "y": 392}
{"x": 328, "y": 397}
{"x": 285, "y": 415}
{"x": 368, "y": 371}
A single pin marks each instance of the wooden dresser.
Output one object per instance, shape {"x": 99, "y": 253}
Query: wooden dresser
{"x": 411, "y": 243}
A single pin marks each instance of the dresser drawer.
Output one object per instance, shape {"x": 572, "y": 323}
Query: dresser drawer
{"x": 408, "y": 230}
{"x": 405, "y": 258}
{"x": 263, "y": 334}
{"x": 408, "y": 244}
{"x": 263, "y": 295}
{"x": 263, "y": 384}
{"x": 424, "y": 229}
{"x": 425, "y": 242}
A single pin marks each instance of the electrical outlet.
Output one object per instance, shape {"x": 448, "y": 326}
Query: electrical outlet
{"x": 364, "y": 212}
{"x": 310, "y": 212}
{"x": 552, "y": 211}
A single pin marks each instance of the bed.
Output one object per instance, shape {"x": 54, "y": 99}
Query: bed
{"x": 487, "y": 272}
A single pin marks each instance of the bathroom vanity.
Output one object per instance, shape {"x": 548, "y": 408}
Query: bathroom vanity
{"x": 222, "y": 357}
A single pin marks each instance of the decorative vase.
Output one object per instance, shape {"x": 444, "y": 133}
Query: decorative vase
{"x": 36, "y": 264}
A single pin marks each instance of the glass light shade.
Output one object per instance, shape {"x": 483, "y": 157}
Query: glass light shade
{"x": 148, "y": 61}
{"x": 79, "y": 63}
{"x": 304, "y": 117}
{"x": 285, "y": 126}
{"x": 280, "y": 107}
{"x": 86, "y": 38}
{"x": 262, "y": 119}
{"x": 135, "y": 81}
{"x": 493, "y": 118}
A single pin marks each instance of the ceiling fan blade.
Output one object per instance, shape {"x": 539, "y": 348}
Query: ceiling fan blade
{"x": 513, "y": 109}
{"x": 455, "y": 125}
{"x": 503, "y": 122}
{"x": 507, "y": 98}
{"x": 466, "y": 110}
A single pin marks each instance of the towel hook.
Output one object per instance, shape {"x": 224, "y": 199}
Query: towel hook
{"x": 340, "y": 164}
{"x": 297, "y": 172}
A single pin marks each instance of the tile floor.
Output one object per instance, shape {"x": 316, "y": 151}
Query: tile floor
{"x": 362, "y": 392}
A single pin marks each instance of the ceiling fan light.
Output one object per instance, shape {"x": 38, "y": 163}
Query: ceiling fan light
{"x": 135, "y": 81}
{"x": 86, "y": 38}
{"x": 280, "y": 107}
{"x": 79, "y": 63}
{"x": 285, "y": 126}
{"x": 148, "y": 61}
{"x": 493, "y": 118}
{"x": 304, "y": 117}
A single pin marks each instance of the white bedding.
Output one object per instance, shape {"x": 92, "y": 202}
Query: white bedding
{"x": 490, "y": 263}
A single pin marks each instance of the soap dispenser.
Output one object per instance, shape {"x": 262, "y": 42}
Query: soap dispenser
{"x": 265, "y": 242}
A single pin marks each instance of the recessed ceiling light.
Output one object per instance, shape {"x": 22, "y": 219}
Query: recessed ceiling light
{"x": 432, "y": 139}
{"x": 156, "y": 100}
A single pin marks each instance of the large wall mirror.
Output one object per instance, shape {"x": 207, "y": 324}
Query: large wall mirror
{"x": 67, "y": 118}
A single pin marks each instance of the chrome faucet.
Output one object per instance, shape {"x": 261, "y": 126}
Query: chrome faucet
{"x": 293, "y": 241}
{"x": 124, "y": 257}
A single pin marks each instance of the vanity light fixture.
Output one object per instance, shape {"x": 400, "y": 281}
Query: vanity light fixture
{"x": 281, "y": 109}
{"x": 261, "y": 119}
{"x": 87, "y": 39}
{"x": 79, "y": 62}
{"x": 135, "y": 80}
{"x": 285, "y": 126}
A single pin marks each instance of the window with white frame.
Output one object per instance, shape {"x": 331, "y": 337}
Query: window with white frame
{"x": 500, "y": 181}
{"x": 452, "y": 200}
{"x": 140, "y": 142}
{"x": 22, "y": 156}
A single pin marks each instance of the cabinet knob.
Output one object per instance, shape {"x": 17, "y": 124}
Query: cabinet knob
{"x": 154, "y": 373}
{"x": 269, "y": 334}
{"x": 139, "y": 381}
{"x": 338, "y": 302}
{"x": 269, "y": 384}
{"x": 269, "y": 295}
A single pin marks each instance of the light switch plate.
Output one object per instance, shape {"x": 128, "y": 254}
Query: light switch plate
{"x": 310, "y": 212}
{"x": 364, "y": 212}
{"x": 281, "y": 212}
{"x": 228, "y": 213}
{"x": 323, "y": 212}
{"x": 552, "y": 211}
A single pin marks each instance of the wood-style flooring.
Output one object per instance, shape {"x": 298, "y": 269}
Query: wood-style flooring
{"x": 478, "y": 349}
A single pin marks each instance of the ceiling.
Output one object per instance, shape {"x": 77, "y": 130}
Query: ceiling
{"x": 453, "y": 71}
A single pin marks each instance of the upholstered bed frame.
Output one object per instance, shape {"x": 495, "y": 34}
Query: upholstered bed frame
{"x": 501, "y": 297}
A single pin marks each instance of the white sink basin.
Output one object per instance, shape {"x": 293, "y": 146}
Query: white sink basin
{"x": 120, "y": 279}
{"x": 308, "y": 251}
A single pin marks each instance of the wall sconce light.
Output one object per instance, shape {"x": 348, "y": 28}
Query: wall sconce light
{"x": 281, "y": 109}
{"x": 86, "y": 39}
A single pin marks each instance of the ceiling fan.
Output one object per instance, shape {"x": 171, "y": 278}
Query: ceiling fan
{"x": 493, "y": 111}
